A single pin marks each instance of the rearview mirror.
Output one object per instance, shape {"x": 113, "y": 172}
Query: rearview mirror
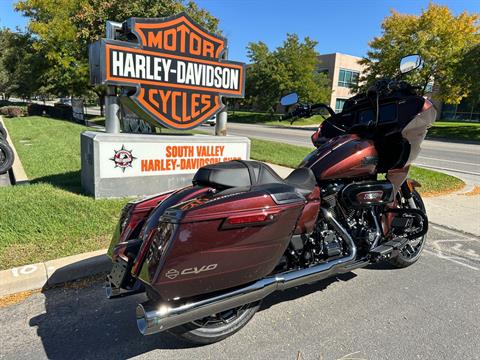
{"x": 409, "y": 63}
{"x": 289, "y": 99}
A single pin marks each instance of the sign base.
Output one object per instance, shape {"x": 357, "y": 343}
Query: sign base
{"x": 121, "y": 165}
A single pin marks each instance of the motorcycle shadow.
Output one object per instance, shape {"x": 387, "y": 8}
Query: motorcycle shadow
{"x": 80, "y": 323}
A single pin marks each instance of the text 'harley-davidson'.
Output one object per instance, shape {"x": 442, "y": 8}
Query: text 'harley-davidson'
{"x": 206, "y": 255}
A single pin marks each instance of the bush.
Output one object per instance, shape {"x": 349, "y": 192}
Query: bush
{"x": 13, "y": 111}
{"x": 35, "y": 109}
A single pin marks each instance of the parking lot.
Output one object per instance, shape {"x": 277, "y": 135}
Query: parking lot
{"x": 427, "y": 311}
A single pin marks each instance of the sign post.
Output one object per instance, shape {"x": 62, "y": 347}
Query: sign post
{"x": 172, "y": 73}
{"x": 112, "y": 120}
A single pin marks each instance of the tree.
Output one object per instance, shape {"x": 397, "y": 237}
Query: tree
{"x": 291, "y": 67}
{"x": 21, "y": 67}
{"x": 468, "y": 73}
{"x": 438, "y": 36}
{"x": 65, "y": 28}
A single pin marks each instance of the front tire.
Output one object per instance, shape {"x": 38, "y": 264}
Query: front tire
{"x": 410, "y": 254}
{"x": 218, "y": 326}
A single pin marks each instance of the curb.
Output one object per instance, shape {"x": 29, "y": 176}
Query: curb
{"x": 49, "y": 273}
{"x": 19, "y": 174}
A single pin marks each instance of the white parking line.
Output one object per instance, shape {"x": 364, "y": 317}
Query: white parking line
{"x": 450, "y": 258}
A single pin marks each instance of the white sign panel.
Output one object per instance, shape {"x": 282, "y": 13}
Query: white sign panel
{"x": 120, "y": 160}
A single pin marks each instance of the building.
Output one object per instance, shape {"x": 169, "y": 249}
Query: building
{"x": 343, "y": 71}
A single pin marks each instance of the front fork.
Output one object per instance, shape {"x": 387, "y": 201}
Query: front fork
{"x": 407, "y": 189}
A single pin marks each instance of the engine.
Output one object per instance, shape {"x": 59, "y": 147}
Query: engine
{"x": 324, "y": 244}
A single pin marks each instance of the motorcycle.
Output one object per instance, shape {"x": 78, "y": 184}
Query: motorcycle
{"x": 207, "y": 254}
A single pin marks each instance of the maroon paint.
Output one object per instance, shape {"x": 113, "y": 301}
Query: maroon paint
{"x": 308, "y": 218}
{"x": 182, "y": 195}
{"x": 343, "y": 157}
{"x": 241, "y": 254}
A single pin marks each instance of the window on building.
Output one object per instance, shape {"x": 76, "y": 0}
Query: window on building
{"x": 348, "y": 78}
{"x": 322, "y": 71}
{"x": 339, "y": 105}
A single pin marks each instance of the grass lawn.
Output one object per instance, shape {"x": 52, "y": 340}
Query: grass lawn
{"x": 450, "y": 130}
{"x": 291, "y": 155}
{"x": 50, "y": 218}
{"x": 247, "y": 117}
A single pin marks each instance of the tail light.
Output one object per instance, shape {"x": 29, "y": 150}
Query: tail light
{"x": 251, "y": 219}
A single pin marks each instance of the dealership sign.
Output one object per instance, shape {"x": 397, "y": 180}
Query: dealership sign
{"x": 147, "y": 159}
{"x": 175, "y": 66}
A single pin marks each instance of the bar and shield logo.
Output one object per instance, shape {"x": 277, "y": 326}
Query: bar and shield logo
{"x": 176, "y": 67}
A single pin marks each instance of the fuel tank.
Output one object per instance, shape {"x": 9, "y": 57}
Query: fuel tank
{"x": 346, "y": 156}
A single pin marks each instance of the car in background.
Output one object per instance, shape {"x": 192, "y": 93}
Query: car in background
{"x": 65, "y": 101}
{"x": 212, "y": 121}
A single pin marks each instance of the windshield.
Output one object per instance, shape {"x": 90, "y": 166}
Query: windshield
{"x": 387, "y": 114}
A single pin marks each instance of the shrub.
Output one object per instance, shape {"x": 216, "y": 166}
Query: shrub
{"x": 13, "y": 111}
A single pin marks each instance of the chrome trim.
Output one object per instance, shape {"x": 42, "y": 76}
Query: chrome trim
{"x": 378, "y": 229}
{"x": 153, "y": 318}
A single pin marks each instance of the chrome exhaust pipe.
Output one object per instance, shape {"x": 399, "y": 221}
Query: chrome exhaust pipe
{"x": 153, "y": 318}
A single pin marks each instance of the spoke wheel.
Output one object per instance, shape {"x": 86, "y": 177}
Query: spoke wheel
{"x": 411, "y": 252}
{"x": 218, "y": 326}
{"x": 222, "y": 318}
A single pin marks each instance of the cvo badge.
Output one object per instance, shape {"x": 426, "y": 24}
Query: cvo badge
{"x": 176, "y": 67}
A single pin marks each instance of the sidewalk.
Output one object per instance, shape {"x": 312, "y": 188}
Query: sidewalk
{"x": 48, "y": 273}
{"x": 458, "y": 211}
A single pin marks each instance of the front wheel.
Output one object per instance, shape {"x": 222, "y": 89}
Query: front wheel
{"x": 410, "y": 253}
{"x": 218, "y": 326}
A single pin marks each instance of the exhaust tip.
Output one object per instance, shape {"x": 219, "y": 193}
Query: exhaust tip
{"x": 141, "y": 319}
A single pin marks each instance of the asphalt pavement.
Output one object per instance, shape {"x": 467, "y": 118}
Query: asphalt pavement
{"x": 427, "y": 311}
{"x": 459, "y": 159}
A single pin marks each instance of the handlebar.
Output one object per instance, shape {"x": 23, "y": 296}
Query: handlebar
{"x": 305, "y": 110}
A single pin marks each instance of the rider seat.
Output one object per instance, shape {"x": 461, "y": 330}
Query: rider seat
{"x": 241, "y": 173}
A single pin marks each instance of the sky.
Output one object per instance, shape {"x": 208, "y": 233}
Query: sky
{"x": 344, "y": 26}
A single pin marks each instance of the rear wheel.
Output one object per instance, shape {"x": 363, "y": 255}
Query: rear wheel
{"x": 218, "y": 326}
{"x": 411, "y": 252}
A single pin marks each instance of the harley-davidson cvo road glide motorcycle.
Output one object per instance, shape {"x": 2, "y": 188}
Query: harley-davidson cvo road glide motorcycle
{"x": 207, "y": 254}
